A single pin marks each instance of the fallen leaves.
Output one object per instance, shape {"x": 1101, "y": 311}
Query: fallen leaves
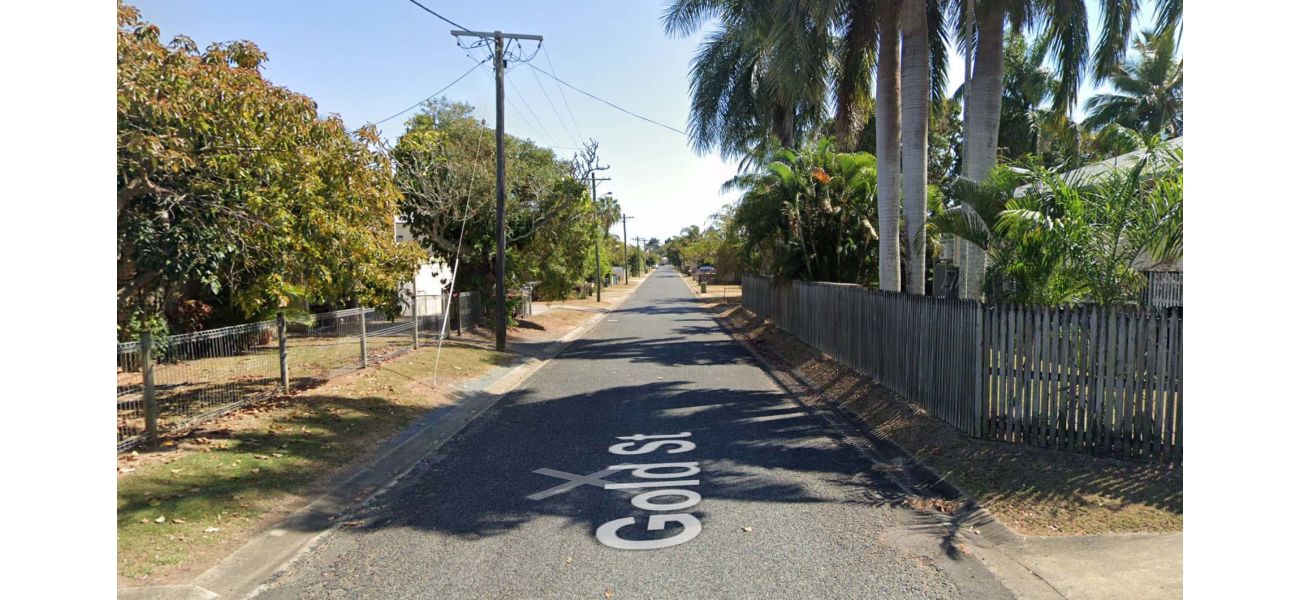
{"x": 609, "y": 593}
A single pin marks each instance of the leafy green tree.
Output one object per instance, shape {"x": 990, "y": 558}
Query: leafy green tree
{"x": 233, "y": 189}
{"x": 445, "y": 168}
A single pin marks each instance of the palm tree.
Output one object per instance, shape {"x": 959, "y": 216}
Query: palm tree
{"x": 759, "y": 80}
{"x": 607, "y": 212}
{"x": 762, "y": 78}
{"x": 888, "y": 140}
{"x": 916, "y": 70}
{"x": 1148, "y": 94}
{"x": 809, "y": 212}
{"x": 1063, "y": 24}
{"x": 1029, "y": 125}
{"x": 855, "y": 54}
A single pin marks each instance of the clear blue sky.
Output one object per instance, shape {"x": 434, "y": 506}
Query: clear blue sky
{"x": 368, "y": 60}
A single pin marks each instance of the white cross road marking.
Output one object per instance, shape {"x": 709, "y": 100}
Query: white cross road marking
{"x": 574, "y": 481}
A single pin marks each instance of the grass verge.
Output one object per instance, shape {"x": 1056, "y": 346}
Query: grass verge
{"x": 1032, "y": 490}
{"x": 182, "y": 506}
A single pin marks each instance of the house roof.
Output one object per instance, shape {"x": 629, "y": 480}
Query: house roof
{"x": 1092, "y": 172}
{"x": 1089, "y": 173}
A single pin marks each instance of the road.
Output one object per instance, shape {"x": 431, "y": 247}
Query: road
{"x": 761, "y": 498}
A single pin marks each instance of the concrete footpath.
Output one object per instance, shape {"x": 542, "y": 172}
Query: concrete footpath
{"x": 1135, "y": 566}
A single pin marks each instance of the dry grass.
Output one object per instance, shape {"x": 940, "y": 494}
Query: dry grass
{"x": 1032, "y": 490}
{"x": 184, "y": 505}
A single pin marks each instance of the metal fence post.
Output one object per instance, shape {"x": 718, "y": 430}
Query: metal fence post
{"x": 415, "y": 316}
{"x": 363, "y": 336}
{"x": 150, "y": 399}
{"x": 284, "y": 351}
{"x": 981, "y": 375}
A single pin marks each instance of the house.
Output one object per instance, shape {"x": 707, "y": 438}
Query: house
{"x": 430, "y": 282}
{"x": 1164, "y": 278}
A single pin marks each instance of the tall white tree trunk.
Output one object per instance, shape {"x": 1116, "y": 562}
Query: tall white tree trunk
{"x": 915, "y": 137}
{"x": 887, "y": 147}
{"x": 984, "y": 111}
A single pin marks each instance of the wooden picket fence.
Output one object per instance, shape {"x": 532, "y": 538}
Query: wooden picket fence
{"x": 1106, "y": 382}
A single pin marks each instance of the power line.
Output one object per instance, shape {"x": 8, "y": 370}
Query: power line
{"x": 563, "y": 97}
{"x": 595, "y": 97}
{"x": 554, "y": 111}
{"x": 529, "y": 107}
{"x": 537, "y": 129}
{"x": 430, "y": 96}
{"x": 430, "y": 11}
{"x": 523, "y": 117}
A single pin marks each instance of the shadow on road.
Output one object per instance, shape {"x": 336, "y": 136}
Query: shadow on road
{"x": 752, "y": 446}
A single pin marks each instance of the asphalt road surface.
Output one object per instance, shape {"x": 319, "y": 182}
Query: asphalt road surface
{"x": 756, "y": 496}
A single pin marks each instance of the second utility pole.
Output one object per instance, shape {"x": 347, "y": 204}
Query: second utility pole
{"x": 627, "y": 273}
{"x": 499, "y": 61}
{"x": 640, "y": 257}
{"x": 601, "y": 238}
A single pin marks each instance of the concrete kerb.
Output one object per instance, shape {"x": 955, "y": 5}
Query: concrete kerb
{"x": 246, "y": 571}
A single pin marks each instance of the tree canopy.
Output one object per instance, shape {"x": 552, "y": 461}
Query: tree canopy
{"x": 236, "y": 191}
{"x": 445, "y": 168}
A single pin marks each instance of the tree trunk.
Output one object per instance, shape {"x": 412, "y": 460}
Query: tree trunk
{"x": 887, "y": 147}
{"x": 984, "y": 105}
{"x": 915, "y": 136}
{"x": 783, "y": 124}
{"x": 852, "y": 86}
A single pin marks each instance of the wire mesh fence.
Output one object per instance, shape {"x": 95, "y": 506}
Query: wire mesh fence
{"x": 175, "y": 382}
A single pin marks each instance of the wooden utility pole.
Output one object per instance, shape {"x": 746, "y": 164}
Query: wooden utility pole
{"x": 601, "y": 238}
{"x": 499, "y": 56}
{"x": 640, "y": 257}
{"x": 627, "y": 272}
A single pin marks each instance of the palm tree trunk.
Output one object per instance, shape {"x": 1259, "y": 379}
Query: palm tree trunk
{"x": 887, "y": 147}
{"x": 984, "y": 108}
{"x": 915, "y": 136}
{"x": 852, "y": 85}
{"x": 783, "y": 124}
